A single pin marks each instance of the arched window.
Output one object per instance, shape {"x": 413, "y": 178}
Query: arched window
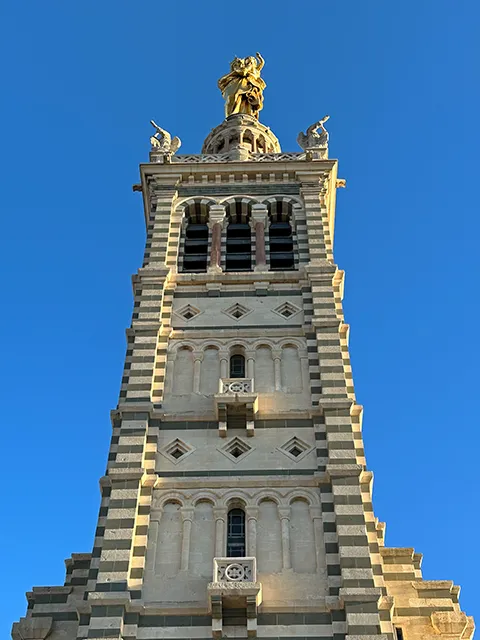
{"x": 195, "y": 250}
{"x": 281, "y": 237}
{"x": 239, "y": 254}
{"x": 236, "y": 534}
{"x": 237, "y": 366}
{"x": 219, "y": 145}
{"x": 248, "y": 140}
{"x": 261, "y": 145}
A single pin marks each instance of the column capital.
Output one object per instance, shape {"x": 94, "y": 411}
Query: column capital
{"x": 220, "y": 513}
{"x": 216, "y": 214}
{"x": 259, "y": 213}
{"x": 259, "y": 206}
{"x": 187, "y": 513}
{"x": 284, "y": 513}
{"x": 252, "y": 513}
{"x": 315, "y": 512}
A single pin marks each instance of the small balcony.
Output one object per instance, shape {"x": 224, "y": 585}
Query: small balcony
{"x": 234, "y": 570}
{"x": 234, "y": 586}
{"x": 236, "y": 400}
{"x": 233, "y": 386}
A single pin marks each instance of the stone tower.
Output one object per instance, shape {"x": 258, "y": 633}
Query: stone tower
{"x": 237, "y": 501}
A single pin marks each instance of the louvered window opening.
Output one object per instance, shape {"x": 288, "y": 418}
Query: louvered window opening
{"x": 195, "y": 247}
{"x": 281, "y": 246}
{"x": 239, "y": 255}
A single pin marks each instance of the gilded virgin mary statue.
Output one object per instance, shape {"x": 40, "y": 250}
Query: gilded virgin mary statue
{"x": 243, "y": 87}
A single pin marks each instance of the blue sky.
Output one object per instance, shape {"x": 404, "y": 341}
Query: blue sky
{"x": 82, "y": 81}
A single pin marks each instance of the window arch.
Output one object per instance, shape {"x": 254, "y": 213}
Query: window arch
{"x": 291, "y": 369}
{"x": 248, "y": 140}
{"x": 209, "y": 370}
{"x": 195, "y": 249}
{"x": 219, "y": 144}
{"x": 236, "y": 533}
{"x": 264, "y": 369}
{"x": 261, "y": 144}
{"x": 239, "y": 236}
{"x": 281, "y": 236}
{"x": 183, "y": 371}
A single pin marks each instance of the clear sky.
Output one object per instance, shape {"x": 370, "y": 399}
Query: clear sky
{"x": 81, "y": 82}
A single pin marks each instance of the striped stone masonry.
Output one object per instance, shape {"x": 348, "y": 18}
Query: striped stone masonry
{"x": 292, "y": 458}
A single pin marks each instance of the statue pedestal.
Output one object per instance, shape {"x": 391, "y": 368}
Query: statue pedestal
{"x": 239, "y": 135}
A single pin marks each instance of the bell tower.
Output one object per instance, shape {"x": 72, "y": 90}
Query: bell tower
{"x": 237, "y": 500}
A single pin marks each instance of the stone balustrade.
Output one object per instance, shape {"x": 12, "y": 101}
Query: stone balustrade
{"x": 234, "y": 570}
{"x": 232, "y": 386}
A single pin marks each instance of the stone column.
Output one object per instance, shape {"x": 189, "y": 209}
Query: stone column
{"x": 153, "y": 549}
{"x": 250, "y": 356}
{"x": 305, "y": 371}
{"x": 224, "y": 364}
{"x": 187, "y": 517}
{"x": 258, "y": 221}
{"x": 169, "y": 372}
{"x": 216, "y": 218}
{"x": 277, "y": 359}
{"x": 316, "y": 515}
{"x": 252, "y": 518}
{"x": 197, "y": 366}
{"x": 284, "y": 513}
{"x": 220, "y": 515}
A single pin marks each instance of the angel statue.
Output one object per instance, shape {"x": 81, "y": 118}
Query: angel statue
{"x": 312, "y": 139}
{"x": 162, "y": 141}
{"x": 243, "y": 87}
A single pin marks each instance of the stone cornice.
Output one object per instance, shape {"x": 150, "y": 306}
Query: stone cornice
{"x": 235, "y": 278}
{"x": 344, "y": 470}
{"x": 125, "y": 474}
{"x": 51, "y": 590}
{"x": 136, "y": 406}
{"x": 332, "y": 403}
{"x": 232, "y": 332}
{"x": 240, "y": 482}
{"x": 302, "y": 169}
{"x": 171, "y": 179}
{"x": 360, "y": 594}
{"x": 326, "y": 322}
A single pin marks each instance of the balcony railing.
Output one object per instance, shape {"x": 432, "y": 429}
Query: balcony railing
{"x": 232, "y": 386}
{"x": 234, "y": 586}
{"x": 234, "y": 570}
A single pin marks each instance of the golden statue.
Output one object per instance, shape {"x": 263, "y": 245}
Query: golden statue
{"x": 243, "y": 87}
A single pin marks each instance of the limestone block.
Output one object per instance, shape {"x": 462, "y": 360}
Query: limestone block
{"x": 32, "y": 628}
{"x": 453, "y": 624}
